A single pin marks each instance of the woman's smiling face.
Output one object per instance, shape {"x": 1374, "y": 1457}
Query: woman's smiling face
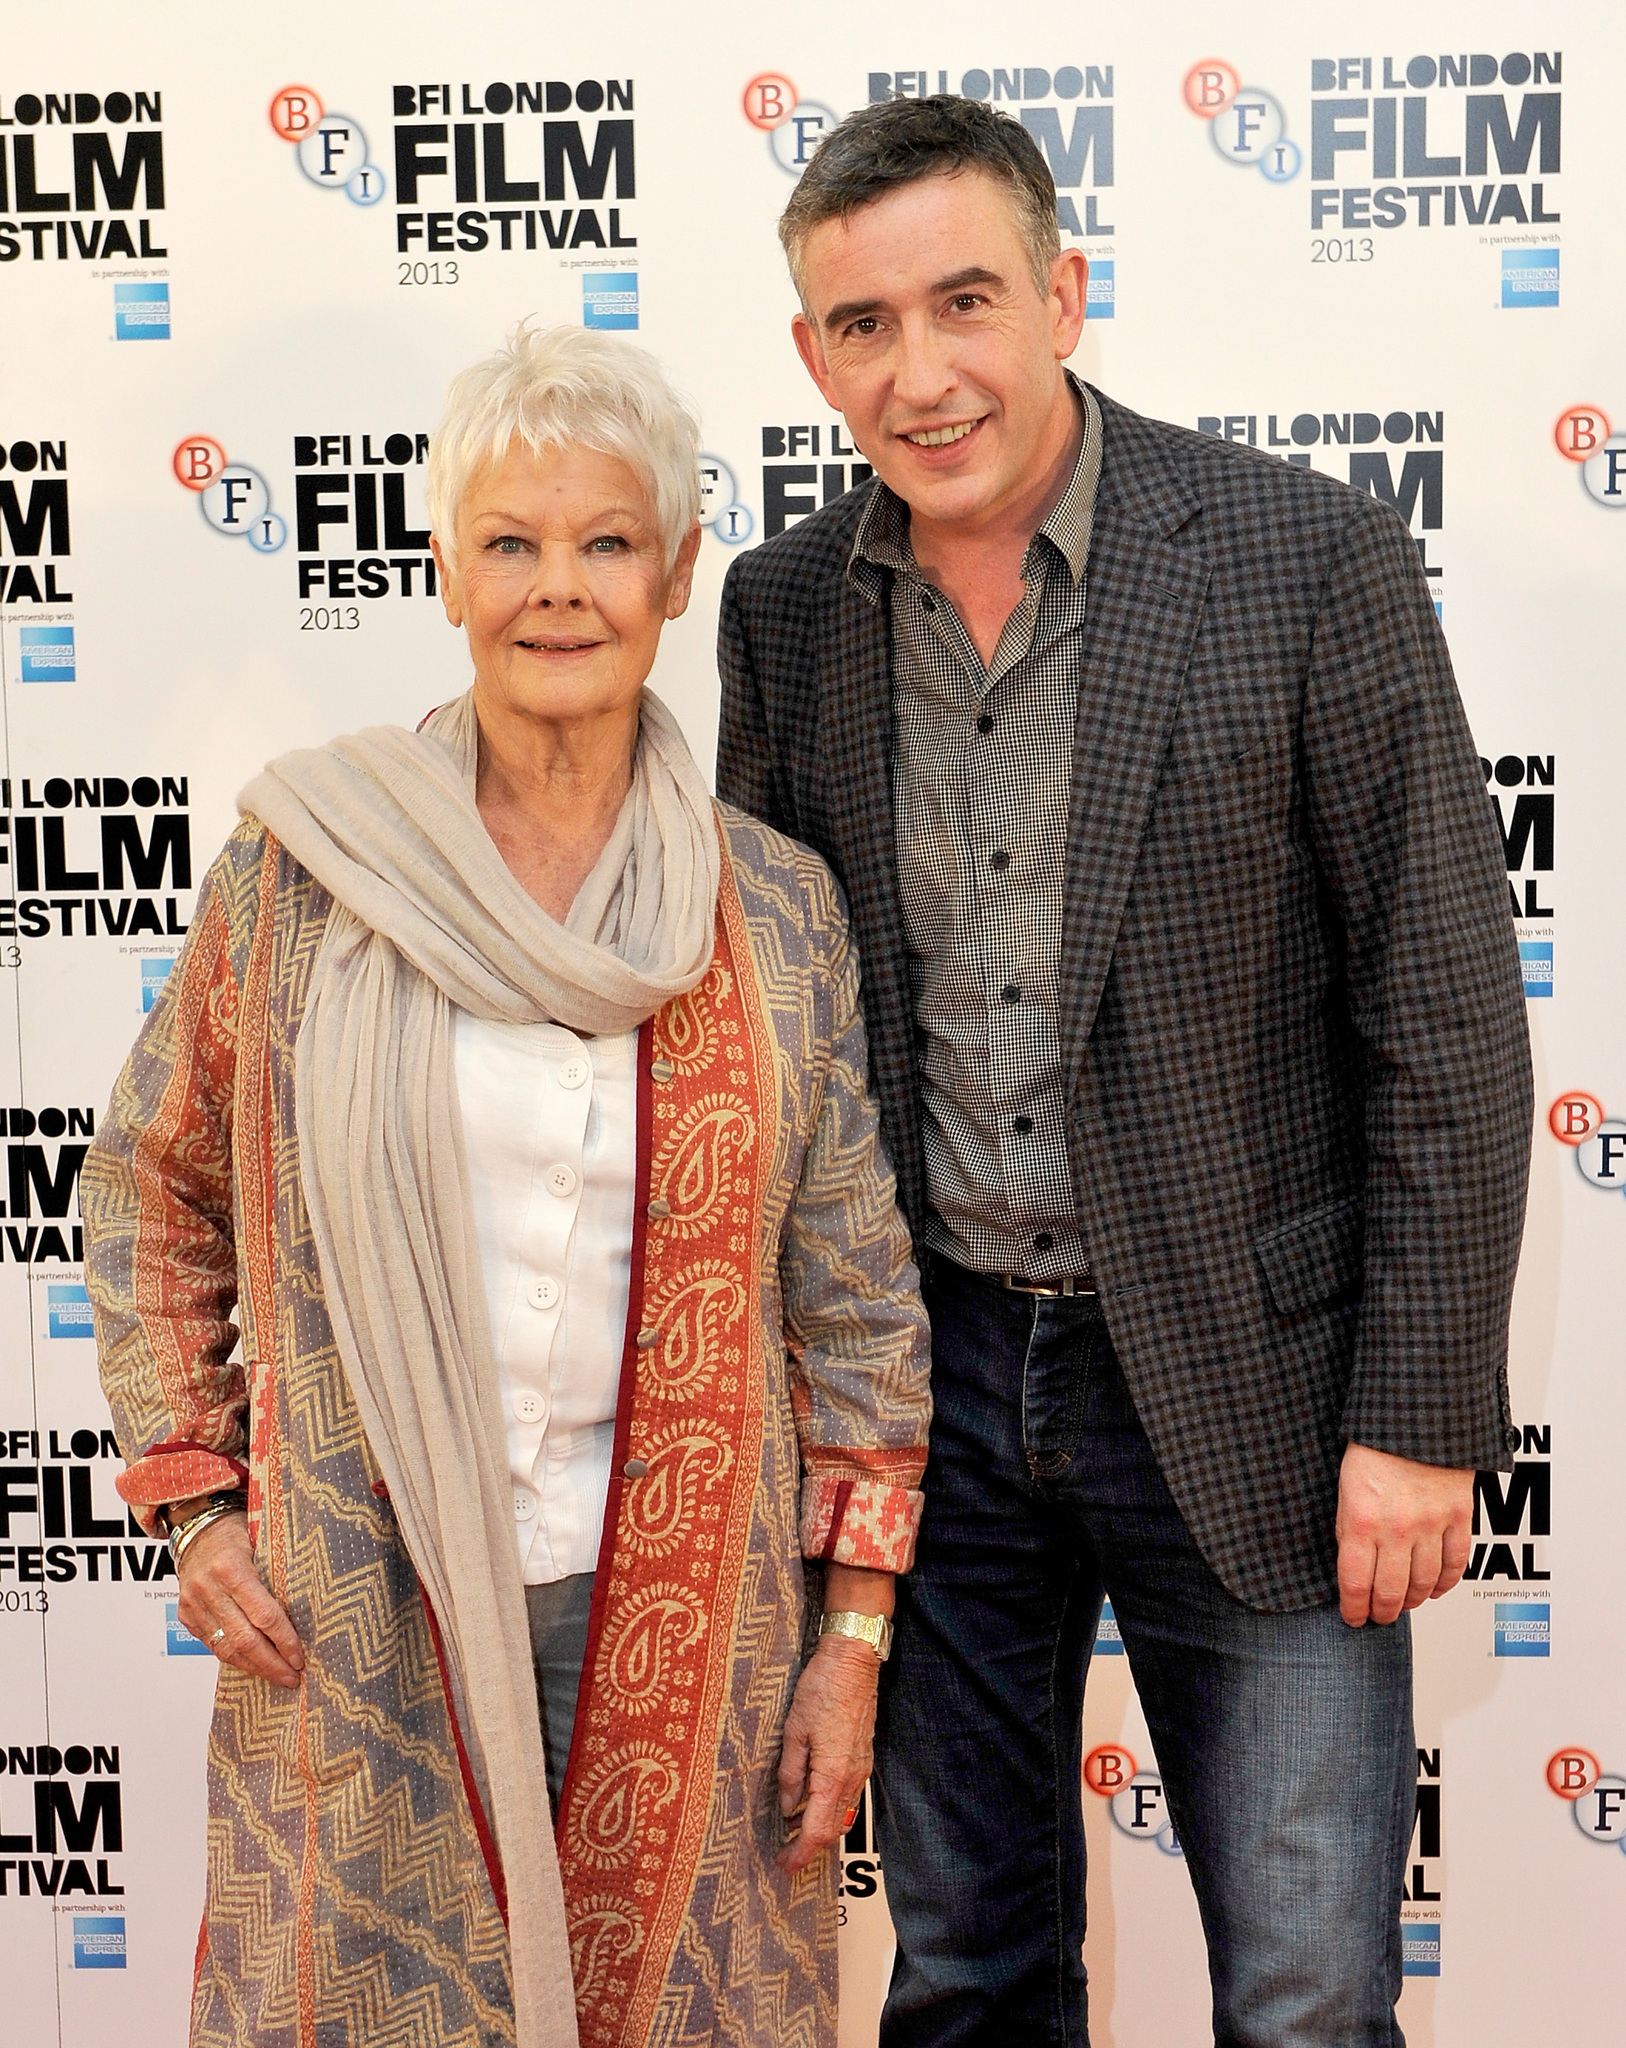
{"x": 562, "y": 583}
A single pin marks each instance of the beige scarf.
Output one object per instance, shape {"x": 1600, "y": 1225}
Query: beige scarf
{"x": 427, "y": 916}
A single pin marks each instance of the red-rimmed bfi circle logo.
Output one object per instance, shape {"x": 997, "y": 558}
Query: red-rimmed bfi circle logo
{"x": 1575, "y": 1117}
{"x": 198, "y": 461}
{"x": 1210, "y": 86}
{"x": 1135, "y": 1798}
{"x": 296, "y": 112}
{"x": 1246, "y": 125}
{"x": 1108, "y": 1768}
{"x": 330, "y": 148}
{"x": 1580, "y": 431}
{"x": 769, "y": 100}
{"x": 234, "y": 499}
{"x": 1570, "y": 1772}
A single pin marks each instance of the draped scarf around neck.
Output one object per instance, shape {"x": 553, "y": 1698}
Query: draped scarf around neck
{"x": 426, "y": 917}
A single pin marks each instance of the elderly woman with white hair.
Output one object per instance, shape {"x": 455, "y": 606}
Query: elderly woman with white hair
{"x": 512, "y": 1094}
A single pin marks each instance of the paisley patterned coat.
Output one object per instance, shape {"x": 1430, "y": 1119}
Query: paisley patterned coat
{"x": 773, "y": 1409}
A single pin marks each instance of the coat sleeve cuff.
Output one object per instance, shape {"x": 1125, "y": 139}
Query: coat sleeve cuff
{"x": 176, "y": 1471}
{"x": 859, "y": 1522}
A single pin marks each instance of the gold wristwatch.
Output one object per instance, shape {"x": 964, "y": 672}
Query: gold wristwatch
{"x": 873, "y": 1629}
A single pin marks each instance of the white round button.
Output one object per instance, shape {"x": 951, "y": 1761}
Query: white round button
{"x": 544, "y": 1293}
{"x": 574, "y": 1072}
{"x": 524, "y": 1504}
{"x": 529, "y": 1407}
{"x": 560, "y": 1180}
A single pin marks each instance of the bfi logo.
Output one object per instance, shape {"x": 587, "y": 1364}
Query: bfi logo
{"x": 1597, "y": 1140}
{"x": 235, "y": 500}
{"x": 1136, "y": 1799}
{"x": 721, "y": 511}
{"x": 1582, "y": 435}
{"x": 1246, "y": 125}
{"x": 1596, "y": 1797}
{"x": 793, "y": 125}
{"x": 330, "y": 148}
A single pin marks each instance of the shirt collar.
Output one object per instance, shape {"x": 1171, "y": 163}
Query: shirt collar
{"x": 882, "y": 539}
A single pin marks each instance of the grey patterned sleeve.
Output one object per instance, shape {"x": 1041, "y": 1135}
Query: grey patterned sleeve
{"x": 157, "y": 1188}
{"x": 855, "y": 1326}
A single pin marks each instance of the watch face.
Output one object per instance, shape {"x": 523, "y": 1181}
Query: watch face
{"x": 873, "y": 1629}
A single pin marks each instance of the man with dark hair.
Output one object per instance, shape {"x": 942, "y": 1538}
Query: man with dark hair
{"x": 1196, "y": 1023}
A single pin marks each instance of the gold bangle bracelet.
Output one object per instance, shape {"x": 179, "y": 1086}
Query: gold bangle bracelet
{"x": 180, "y": 1539}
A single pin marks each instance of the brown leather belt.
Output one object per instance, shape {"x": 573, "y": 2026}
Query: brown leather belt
{"x": 1069, "y": 1285}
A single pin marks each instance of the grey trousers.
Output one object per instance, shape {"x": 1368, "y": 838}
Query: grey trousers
{"x": 559, "y": 1614}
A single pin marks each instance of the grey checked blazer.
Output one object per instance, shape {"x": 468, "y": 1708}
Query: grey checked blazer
{"x": 1292, "y": 1016}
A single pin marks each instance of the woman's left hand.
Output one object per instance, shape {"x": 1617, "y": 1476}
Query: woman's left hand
{"x": 828, "y": 1745}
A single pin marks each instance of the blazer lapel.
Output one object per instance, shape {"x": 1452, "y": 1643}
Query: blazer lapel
{"x": 854, "y": 792}
{"x": 1145, "y": 600}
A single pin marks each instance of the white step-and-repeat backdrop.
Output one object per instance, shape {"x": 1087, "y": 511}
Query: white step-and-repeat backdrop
{"x": 239, "y": 259}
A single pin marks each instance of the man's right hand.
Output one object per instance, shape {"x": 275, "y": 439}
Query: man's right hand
{"x": 225, "y": 1605}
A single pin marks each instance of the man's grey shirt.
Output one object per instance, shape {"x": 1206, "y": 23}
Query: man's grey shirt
{"x": 982, "y": 769}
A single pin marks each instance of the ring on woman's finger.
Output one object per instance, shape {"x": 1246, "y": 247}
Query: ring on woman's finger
{"x": 219, "y": 1636}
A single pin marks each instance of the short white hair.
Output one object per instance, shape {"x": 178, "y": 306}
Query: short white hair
{"x": 566, "y": 387}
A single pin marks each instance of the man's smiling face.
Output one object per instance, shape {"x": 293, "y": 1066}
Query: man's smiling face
{"x": 923, "y": 325}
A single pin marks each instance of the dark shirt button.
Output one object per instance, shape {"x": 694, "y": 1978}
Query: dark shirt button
{"x": 999, "y": 862}
{"x": 928, "y": 600}
{"x": 1010, "y": 993}
{"x": 1023, "y": 1124}
{"x": 1043, "y": 1241}
{"x": 634, "y": 1468}
{"x": 985, "y": 723}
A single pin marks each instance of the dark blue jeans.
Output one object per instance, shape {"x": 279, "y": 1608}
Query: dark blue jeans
{"x": 1284, "y": 1741}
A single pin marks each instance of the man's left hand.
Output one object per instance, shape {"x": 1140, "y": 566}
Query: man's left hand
{"x": 1402, "y": 1533}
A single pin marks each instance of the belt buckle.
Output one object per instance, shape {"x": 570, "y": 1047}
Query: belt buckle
{"x": 1049, "y": 1289}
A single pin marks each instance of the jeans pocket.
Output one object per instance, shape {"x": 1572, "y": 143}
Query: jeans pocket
{"x": 1063, "y": 1352}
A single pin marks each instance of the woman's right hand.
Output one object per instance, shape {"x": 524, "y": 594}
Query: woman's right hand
{"x": 226, "y": 1606}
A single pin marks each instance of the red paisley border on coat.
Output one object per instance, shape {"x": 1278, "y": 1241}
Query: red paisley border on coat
{"x": 642, "y": 1766}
